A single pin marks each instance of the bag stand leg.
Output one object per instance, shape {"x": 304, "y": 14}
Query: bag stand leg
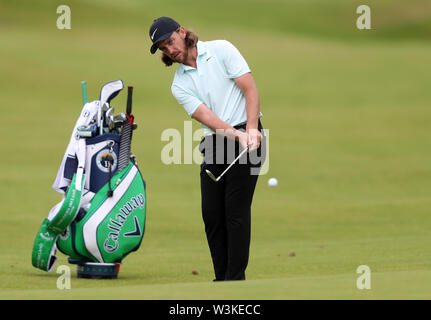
{"x": 96, "y": 270}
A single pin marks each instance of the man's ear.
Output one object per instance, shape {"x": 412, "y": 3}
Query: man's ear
{"x": 182, "y": 32}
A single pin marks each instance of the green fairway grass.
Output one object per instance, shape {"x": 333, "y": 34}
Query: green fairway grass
{"x": 384, "y": 285}
{"x": 348, "y": 114}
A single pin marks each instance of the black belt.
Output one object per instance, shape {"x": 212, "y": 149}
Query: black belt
{"x": 212, "y": 137}
{"x": 244, "y": 126}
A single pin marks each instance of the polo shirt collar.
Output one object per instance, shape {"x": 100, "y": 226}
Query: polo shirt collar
{"x": 202, "y": 49}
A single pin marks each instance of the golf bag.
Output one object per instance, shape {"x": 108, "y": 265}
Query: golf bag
{"x": 101, "y": 218}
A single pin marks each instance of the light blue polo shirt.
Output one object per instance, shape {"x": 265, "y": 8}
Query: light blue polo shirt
{"x": 212, "y": 83}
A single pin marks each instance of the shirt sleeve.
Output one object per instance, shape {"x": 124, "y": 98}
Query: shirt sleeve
{"x": 186, "y": 98}
{"x": 233, "y": 61}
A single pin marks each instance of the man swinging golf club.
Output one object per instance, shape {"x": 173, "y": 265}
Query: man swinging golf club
{"x": 214, "y": 85}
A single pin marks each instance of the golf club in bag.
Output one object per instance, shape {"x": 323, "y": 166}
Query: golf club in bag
{"x": 101, "y": 218}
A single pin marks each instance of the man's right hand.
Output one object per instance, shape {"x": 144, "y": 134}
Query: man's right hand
{"x": 254, "y": 138}
{"x": 242, "y": 138}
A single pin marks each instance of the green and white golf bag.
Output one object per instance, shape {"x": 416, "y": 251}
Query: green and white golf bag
{"x": 102, "y": 215}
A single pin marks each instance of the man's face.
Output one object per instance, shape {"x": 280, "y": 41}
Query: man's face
{"x": 175, "y": 46}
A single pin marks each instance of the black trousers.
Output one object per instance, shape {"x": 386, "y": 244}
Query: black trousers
{"x": 226, "y": 204}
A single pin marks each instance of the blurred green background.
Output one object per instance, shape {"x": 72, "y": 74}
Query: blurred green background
{"x": 348, "y": 113}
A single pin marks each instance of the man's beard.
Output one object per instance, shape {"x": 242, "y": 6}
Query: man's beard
{"x": 180, "y": 57}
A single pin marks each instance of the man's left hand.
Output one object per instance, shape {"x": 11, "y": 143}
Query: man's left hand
{"x": 254, "y": 138}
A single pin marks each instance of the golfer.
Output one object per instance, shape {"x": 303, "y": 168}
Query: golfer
{"x": 214, "y": 85}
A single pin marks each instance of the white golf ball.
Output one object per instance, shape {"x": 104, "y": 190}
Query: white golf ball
{"x": 272, "y": 182}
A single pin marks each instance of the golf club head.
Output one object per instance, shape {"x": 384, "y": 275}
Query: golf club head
{"x": 109, "y": 112}
{"x": 109, "y": 118}
{"x": 120, "y": 117}
{"x": 211, "y": 175}
{"x": 111, "y": 122}
{"x": 105, "y": 107}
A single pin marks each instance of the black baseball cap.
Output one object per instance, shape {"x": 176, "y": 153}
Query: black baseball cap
{"x": 160, "y": 30}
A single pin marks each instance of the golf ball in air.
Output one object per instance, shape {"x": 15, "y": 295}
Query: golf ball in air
{"x": 272, "y": 182}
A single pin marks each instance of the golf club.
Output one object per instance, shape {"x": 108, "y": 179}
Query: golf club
{"x": 109, "y": 118}
{"x": 219, "y": 177}
{"x": 126, "y": 133}
{"x": 107, "y": 93}
{"x": 119, "y": 120}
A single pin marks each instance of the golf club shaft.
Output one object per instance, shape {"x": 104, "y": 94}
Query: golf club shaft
{"x": 233, "y": 162}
